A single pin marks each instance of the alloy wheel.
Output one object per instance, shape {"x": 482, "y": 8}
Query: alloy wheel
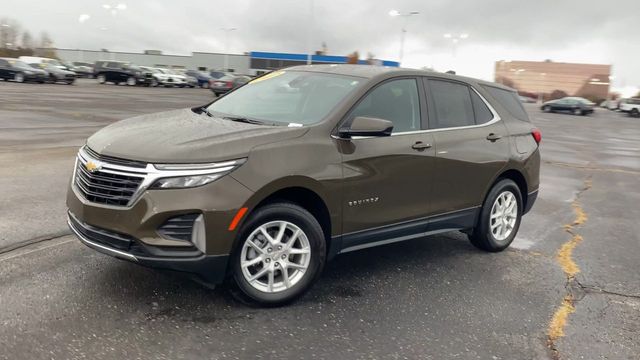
{"x": 19, "y": 77}
{"x": 275, "y": 256}
{"x": 504, "y": 214}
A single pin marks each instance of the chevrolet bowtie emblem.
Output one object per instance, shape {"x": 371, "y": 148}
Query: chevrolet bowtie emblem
{"x": 92, "y": 166}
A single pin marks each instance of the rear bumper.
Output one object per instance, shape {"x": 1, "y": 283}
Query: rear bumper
{"x": 208, "y": 268}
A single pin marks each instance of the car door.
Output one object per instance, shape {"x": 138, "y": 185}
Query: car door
{"x": 387, "y": 179}
{"x": 471, "y": 146}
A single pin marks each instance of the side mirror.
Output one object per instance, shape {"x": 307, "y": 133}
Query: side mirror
{"x": 367, "y": 126}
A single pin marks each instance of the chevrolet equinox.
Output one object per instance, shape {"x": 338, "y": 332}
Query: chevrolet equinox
{"x": 264, "y": 185}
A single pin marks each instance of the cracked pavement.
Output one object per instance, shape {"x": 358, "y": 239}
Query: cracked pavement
{"x": 431, "y": 298}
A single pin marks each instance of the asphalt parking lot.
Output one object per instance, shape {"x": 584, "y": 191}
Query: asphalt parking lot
{"x": 568, "y": 288}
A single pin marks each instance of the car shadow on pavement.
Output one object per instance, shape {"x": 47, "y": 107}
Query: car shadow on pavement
{"x": 348, "y": 275}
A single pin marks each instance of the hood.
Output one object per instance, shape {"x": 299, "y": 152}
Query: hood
{"x": 182, "y": 136}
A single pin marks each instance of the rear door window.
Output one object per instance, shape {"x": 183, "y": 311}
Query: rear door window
{"x": 480, "y": 109}
{"x": 510, "y": 101}
{"x": 452, "y": 104}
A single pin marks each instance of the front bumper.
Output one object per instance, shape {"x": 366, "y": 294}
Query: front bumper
{"x": 137, "y": 232}
{"x": 208, "y": 268}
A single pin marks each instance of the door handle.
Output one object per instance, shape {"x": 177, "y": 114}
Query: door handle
{"x": 493, "y": 137}
{"x": 419, "y": 145}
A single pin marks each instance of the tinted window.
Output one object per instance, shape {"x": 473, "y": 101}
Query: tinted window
{"x": 480, "y": 109}
{"x": 396, "y": 101}
{"x": 113, "y": 65}
{"x": 452, "y": 103}
{"x": 3, "y": 62}
{"x": 509, "y": 100}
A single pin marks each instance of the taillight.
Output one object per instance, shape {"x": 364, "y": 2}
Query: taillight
{"x": 229, "y": 84}
{"x": 537, "y": 135}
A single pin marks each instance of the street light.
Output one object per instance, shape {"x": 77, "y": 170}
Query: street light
{"x": 455, "y": 39}
{"x": 542, "y": 83}
{"x": 226, "y": 46}
{"x": 405, "y": 16}
{"x": 114, "y": 8}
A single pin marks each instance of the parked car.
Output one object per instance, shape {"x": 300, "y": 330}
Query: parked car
{"x": 227, "y": 83}
{"x": 176, "y": 78}
{"x": 631, "y": 106}
{"x": 19, "y": 71}
{"x": 571, "y": 104}
{"x": 217, "y": 74}
{"x": 41, "y": 60}
{"x": 116, "y": 72}
{"x": 528, "y": 100}
{"x": 84, "y": 70}
{"x": 56, "y": 74}
{"x": 202, "y": 77}
{"x": 263, "y": 186}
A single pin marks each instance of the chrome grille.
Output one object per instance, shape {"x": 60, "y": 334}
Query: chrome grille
{"x": 109, "y": 184}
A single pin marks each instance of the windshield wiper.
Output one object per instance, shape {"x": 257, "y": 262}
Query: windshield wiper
{"x": 245, "y": 120}
{"x": 206, "y": 111}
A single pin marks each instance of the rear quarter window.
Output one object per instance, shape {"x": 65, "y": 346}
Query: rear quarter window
{"x": 510, "y": 101}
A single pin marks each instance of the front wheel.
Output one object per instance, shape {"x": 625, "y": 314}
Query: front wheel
{"x": 131, "y": 81}
{"x": 281, "y": 252}
{"x": 499, "y": 218}
{"x": 546, "y": 108}
{"x": 577, "y": 111}
{"x": 18, "y": 77}
{"x": 634, "y": 113}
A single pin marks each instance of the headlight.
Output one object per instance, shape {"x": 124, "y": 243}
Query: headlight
{"x": 178, "y": 176}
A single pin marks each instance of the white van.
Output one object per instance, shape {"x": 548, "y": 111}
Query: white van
{"x": 41, "y": 60}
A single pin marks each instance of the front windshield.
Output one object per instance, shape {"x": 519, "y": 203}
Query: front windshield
{"x": 287, "y": 96}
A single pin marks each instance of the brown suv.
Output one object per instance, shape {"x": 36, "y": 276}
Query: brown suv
{"x": 264, "y": 185}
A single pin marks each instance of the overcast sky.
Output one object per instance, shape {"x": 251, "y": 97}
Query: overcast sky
{"x": 561, "y": 30}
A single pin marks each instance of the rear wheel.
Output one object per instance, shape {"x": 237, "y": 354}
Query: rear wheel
{"x": 101, "y": 79}
{"x": 499, "y": 218}
{"x": 634, "y": 112}
{"x": 131, "y": 81}
{"x": 578, "y": 111}
{"x": 18, "y": 77}
{"x": 281, "y": 253}
{"x": 546, "y": 108}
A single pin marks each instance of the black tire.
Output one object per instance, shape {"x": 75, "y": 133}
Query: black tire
{"x": 19, "y": 77}
{"x": 102, "y": 79}
{"x": 578, "y": 111}
{"x": 546, "y": 108}
{"x": 634, "y": 112}
{"x": 292, "y": 213}
{"x": 482, "y": 237}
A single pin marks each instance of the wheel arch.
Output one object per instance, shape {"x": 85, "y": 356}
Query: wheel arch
{"x": 303, "y": 191}
{"x": 517, "y": 177}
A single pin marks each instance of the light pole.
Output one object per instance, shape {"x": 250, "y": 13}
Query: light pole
{"x": 310, "y": 32}
{"x": 405, "y": 17}
{"x": 226, "y": 46}
{"x": 455, "y": 39}
{"x": 542, "y": 83}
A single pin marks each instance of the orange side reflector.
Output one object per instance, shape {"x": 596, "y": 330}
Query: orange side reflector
{"x": 236, "y": 219}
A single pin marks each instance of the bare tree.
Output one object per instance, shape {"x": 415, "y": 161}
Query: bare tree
{"x": 27, "y": 40}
